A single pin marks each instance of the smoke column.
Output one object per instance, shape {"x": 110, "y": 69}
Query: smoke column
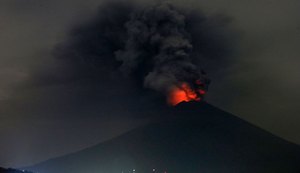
{"x": 160, "y": 47}
{"x": 157, "y": 39}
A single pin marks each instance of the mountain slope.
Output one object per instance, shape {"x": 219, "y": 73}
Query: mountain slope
{"x": 192, "y": 137}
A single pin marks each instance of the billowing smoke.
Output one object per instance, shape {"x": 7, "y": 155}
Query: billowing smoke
{"x": 160, "y": 47}
{"x": 157, "y": 40}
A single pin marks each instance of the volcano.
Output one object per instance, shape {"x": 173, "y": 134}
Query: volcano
{"x": 193, "y": 137}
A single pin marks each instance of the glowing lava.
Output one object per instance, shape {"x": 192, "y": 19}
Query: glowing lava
{"x": 184, "y": 93}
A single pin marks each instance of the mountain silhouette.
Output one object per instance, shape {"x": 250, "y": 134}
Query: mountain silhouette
{"x": 193, "y": 137}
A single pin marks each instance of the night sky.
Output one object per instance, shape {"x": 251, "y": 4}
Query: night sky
{"x": 52, "y": 104}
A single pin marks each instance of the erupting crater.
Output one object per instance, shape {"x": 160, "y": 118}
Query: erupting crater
{"x": 185, "y": 93}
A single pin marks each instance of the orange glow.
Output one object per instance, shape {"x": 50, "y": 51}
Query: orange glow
{"x": 183, "y": 93}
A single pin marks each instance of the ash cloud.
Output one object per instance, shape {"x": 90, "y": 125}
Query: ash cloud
{"x": 156, "y": 47}
{"x": 157, "y": 40}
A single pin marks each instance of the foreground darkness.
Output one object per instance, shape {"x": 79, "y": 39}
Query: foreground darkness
{"x": 10, "y": 170}
{"x": 192, "y": 137}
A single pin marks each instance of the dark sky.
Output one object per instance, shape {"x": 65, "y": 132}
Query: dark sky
{"x": 42, "y": 118}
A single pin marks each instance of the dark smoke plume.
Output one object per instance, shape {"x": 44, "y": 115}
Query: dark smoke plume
{"x": 159, "y": 47}
{"x": 158, "y": 41}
